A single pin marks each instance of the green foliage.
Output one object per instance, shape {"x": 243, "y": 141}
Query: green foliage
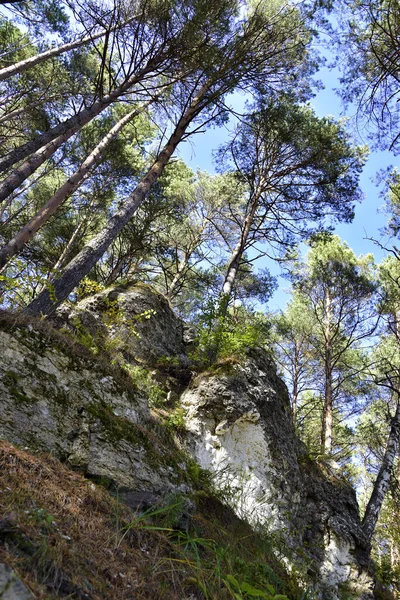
{"x": 88, "y": 287}
{"x": 176, "y": 419}
{"x": 368, "y": 41}
{"x": 392, "y": 197}
{"x": 143, "y": 379}
{"x": 242, "y": 590}
{"x": 389, "y": 279}
{"x": 320, "y": 337}
{"x": 229, "y": 336}
{"x": 218, "y": 565}
{"x": 19, "y": 291}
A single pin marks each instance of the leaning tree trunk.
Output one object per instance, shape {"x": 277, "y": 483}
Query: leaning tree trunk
{"x": 230, "y": 279}
{"x": 42, "y": 147}
{"x": 79, "y": 267}
{"x": 382, "y": 481}
{"x": 237, "y": 255}
{"x": 19, "y": 241}
{"x": 183, "y": 265}
{"x": 296, "y": 377}
{"x": 32, "y": 61}
{"x": 70, "y": 244}
{"x": 180, "y": 273}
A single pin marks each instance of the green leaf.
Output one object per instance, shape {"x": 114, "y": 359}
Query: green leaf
{"x": 270, "y": 588}
{"x": 233, "y": 580}
{"x": 249, "y": 590}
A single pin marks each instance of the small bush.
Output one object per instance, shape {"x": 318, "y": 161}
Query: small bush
{"x": 229, "y": 335}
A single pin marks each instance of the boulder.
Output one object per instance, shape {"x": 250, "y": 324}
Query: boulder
{"x": 139, "y": 320}
{"x": 11, "y": 587}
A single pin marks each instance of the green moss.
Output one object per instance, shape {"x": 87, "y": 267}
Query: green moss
{"x": 119, "y": 428}
{"x": 10, "y": 380}
{"x": 345, "y": 592}
{"x": 11, "y": 377}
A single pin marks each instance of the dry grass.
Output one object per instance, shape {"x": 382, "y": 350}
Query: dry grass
{"x": 68, "y": 538}
{"x": 65, "y": 536}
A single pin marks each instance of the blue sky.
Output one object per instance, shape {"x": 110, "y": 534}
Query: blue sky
{"x": 369, "y": 218}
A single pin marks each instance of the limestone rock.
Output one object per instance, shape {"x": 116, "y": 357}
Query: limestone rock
{"x": 241, "y": 429}
{"x": 139, "y": 317}
{"x": 55, "y": 401}
{"x": 11, "y": 587}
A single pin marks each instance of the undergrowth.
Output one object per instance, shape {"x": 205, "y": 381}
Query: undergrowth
{"x": 68, "y": 538}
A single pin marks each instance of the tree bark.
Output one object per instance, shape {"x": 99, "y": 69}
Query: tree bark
{"x": 79, "y": 267}
{"x": 382, "y": 481}
{"x": 327, "y": 414}
{"x": 231, "y": 276}
{"x": 182, "y": 268}
{"x": 237, "y": 254}
{"x": 62, "y": 258}
{"x": 295, "y": 388}
{"x": 48, "y": 142}
{"x": 32, "y": 61}
{"x": 18, "y": 242}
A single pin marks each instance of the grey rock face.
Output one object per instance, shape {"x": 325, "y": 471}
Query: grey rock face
{"x": 138, "y": 316}
{"x": 11, "y": 587}
{"x": 53, "y": 401}
{"x": 242, "y": 432}
{"x": 241, "y": 429}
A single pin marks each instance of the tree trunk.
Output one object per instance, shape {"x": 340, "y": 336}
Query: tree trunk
{"x": 237, "y": 255}
{"x": 230, "y": 278}
{"x": 62, "y": 258}
{"x": 80, "y": 266}
{"x": 184, "y": 263}
{"x": 32, "y": 61}
{"x": 382, "y": 481}
{"x": 48, "y": 142}
{"x": 327, "y": 414}
{"x": 182, "y": 268}
{"x": 295, "y": 388}
{"x": 65, "y": 191}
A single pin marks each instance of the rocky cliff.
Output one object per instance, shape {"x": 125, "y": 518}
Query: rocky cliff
{"x": 58, "y": 396}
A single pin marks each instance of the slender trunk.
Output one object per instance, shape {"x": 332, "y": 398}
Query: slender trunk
{"x": 178, "y": 276}
{"x": 12, "y": 114}
{"x": 116, "y": 271}
{"x": 42, "y": 147}
{"x": 64, "y": 254}
{"x": 327, "y": 415}
{"x": 62, "y": 258}
{"x": 237, "y": 255}
{"x": 80, "y": 266}
{"x": 32, "y": 61}
{"x": 295, "y": 389}
{"x": 18, "y": 242}
{"x": 382, "y": 481}
{"x": 184, "y": 263}
{"x": 230, "y": 278}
